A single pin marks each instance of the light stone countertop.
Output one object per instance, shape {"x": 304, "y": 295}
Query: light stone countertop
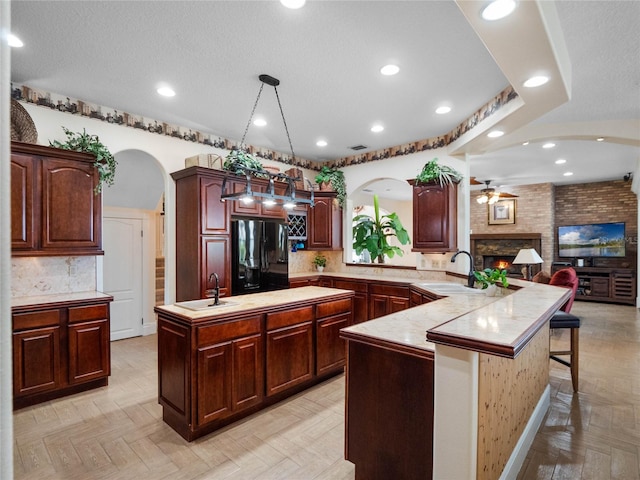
{"x": 37, "y": 300}
{"x": 254, "y": 301}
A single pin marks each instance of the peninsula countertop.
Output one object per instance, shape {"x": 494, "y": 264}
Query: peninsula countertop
{"x": 500, "y": 325}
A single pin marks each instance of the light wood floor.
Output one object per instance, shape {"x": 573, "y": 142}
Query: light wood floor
{"x": 117, "y": 432}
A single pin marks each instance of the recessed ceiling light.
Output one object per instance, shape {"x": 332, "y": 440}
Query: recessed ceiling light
{"x": 599, "y": 139}
{"x": 536, "y": 81}
{"x": 560, "y": 161}
{"x": 321, "y": 143}
{"x": 442, "y": 110}
{"x": 166, "y": 92}
{"x": 498, "y": 9}
{"x": 495, "y": 134}
{"x": 377, "y": 128}
{"x": 389, "y": 70}
{"x": 549, "y": 145}
{"x": 293, "y": 4}
{"x": 14, "y": 41}
{"x": 567, "y": 174}
{"x": 259, "y": 122}
{"x": 525, "y": 143}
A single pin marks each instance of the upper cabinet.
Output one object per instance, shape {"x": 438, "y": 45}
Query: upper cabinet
{"x": 54, "y": 208}
{"x": 324, "y": 223}
{"x": 435, "y": 210}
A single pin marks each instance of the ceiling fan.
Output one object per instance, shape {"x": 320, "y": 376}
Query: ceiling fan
{"x": 489, "y": 194}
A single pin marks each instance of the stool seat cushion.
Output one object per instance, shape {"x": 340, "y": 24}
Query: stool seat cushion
{"x": 562, "y": 319}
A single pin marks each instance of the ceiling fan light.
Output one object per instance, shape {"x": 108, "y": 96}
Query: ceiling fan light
{"x": 494, "y": 198}
{"x": 482, "y": 199}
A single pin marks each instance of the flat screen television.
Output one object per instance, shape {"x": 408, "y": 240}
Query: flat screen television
{"x": 592, "y": 240}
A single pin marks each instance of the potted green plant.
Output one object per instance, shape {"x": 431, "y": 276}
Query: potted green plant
{"x": 372, "y": 234}
{"x": 443, "y": 174}
{"x": 83, "y": 142}
{"x": 489, "y": 278}
{"x": 332, "y": 179}
{"x": 320, "y": 261}
{"x": 237, "y": 160}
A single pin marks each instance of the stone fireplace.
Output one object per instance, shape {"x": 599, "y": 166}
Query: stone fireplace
{"x": 499, "y": 250}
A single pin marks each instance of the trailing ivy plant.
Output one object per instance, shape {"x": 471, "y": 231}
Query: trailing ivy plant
{"x": 371, "y": 234}
{"x": 433, "y": 171}
{"x": 336, "y": 178}
{"x": 83, "y": 142}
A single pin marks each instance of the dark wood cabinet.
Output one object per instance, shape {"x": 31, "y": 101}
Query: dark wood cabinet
{"x": 257, "y": 208}
{"x": 289, "y": 355}
{"x": 324, "y": 223}
{"x": 434, "y": 217}
{"x": 385, "y": 299}
{"x": 203, "y": 233}
{"x": 360, "y": 299}
{"x": 59, "y": 349}
{"x": 54, "y": 207}
{"x": 215, "y": 370}
{"x": 605, "y": 284}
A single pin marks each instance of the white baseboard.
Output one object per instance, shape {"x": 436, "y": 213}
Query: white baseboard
{"x": 149, "y": 328}
{"x": 512, "y": 468}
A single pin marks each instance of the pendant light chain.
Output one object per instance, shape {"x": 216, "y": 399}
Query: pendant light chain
{"x": 251, "y": 116}
{"x": 293, "y": 155}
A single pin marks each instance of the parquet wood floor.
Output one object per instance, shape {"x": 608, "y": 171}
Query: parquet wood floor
{"x": 117, "y": 433}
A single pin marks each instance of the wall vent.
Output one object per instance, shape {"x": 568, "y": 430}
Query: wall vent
{"x": 358, "y": 147}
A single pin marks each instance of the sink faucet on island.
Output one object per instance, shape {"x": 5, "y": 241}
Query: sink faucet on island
{"x": 471, "y": 278}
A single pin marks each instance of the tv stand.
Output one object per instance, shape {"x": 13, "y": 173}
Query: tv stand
{"x": 605, "y": 284}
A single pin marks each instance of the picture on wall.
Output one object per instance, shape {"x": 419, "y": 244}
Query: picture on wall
{"x": 502, "y": 212}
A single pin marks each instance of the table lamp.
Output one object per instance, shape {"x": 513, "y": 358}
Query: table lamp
{"x": 527, "y": 257}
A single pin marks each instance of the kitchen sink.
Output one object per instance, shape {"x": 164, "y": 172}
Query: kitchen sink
{"x": 204, "y": 304}
{"x": 449, "y": 288}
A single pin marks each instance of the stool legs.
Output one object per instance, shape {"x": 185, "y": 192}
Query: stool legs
{"x": 573, "y": 362}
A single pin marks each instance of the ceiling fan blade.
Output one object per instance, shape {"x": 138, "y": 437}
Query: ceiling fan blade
{"x": 507, "y": 195}
{"x": 473, "y": 181}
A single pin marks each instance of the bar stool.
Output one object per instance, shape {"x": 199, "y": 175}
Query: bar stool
{"x": 563, "y": 319}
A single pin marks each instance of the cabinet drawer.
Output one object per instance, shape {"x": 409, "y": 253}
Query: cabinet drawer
{"x": 390, "y": 290}
{"x": 348, "y": 285}
{"x": 89, "y": 312}
{"x": 289, "y": 317}
{"x": 26, "y": 321}
{"x": 227, "y": 331}
{"x": 333, "y": 308}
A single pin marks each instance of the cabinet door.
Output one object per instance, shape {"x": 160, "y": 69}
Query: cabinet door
{"x": 214, "y": 366}
{"x": 214, "y": 218}
{"x": 216, "y": 258}
{"x": 330, "y": 348}
{"x": 324, "y": 224}
{"x": 23, "y": 214}
{"x": 248, "y": 376}
{"x": 71, "y": 211}
{"x": 397, "y": 304}
{"x": 36, "y": 361}
{"x": 434, "y": 218}
{"x": 624, "y": 286}
{"x": 378, "y": 305}
{"x": 89, "y": 351}
{"x": 289, "y": 357}
{"x": 240, "y": 207}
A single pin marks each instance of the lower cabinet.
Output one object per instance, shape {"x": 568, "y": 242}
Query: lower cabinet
{"x": 59, "y": 351}
{"x": 386, "y": 299}
{"x": 215, "y": 370}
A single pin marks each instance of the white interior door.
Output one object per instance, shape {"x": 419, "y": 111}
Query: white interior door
{"x": 122, "y": 243}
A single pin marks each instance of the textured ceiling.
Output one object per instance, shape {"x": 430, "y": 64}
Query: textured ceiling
{"x": 327, "y": 56}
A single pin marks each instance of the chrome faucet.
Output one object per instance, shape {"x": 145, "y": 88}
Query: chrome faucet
{"x": 216, "y": 291}
{"x": 471, "y": 280}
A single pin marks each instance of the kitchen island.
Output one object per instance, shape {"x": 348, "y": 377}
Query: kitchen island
{"x": 454, "y": 388}
{"x": 217, "y": 364}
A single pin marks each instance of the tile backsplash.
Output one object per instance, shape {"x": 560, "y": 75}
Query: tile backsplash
{"x": 52, "y": 275}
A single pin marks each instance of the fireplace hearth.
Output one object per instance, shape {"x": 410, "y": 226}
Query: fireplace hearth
{"x": 498, "y": 250}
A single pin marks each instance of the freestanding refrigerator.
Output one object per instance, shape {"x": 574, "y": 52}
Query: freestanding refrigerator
{"x": 260, "y": 255}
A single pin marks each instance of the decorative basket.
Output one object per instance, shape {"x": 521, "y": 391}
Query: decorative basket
{"x": 297, "y": 173}
{"x": 22, "y": 127}
{"x": 208, "y": 160}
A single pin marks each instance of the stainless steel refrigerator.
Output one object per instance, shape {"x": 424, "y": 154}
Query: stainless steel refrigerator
{"x": 260, "y": 255}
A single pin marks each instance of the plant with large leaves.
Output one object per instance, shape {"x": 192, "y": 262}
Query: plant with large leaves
{"x": 372, "y": 234}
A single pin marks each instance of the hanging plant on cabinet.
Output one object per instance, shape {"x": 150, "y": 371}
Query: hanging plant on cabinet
{"x": 434, "y": 172}
{"x": 372, "y": 234}
{"x": 83, "y": 142}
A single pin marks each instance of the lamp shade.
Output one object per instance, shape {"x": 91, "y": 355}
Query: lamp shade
{"x": 527, "y": 256}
